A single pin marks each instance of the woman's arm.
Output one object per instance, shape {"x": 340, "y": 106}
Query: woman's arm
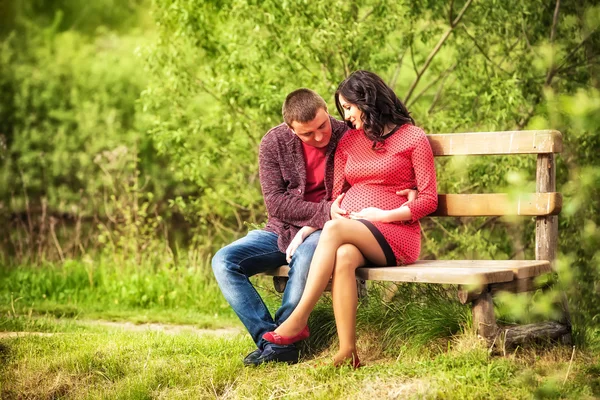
{"x": 424, "y": 166}
{"x": 375, "y": 214}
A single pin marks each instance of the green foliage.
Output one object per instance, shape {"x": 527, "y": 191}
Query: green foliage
{"x": 69, "y": 99}
{"x": 220, "y": 72}
{"x": 72, "y": 148}
{"x": 416, "y": 315}
{"x": 77, "y": 15}
{"x": 579, "y": 116}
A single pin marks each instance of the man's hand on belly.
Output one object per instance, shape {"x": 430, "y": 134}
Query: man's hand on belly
{"x": 336, "y": 211}
{"x": 411, "y": 195}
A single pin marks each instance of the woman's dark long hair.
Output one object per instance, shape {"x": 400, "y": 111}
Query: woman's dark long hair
{"x": 377, "y": 101}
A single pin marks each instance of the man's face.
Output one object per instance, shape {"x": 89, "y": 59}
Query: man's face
{"x": 316, "y": 133}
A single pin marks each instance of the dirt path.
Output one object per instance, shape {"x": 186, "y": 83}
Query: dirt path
{"x": 130, "y": 326}
{"x": 166, "y": 328}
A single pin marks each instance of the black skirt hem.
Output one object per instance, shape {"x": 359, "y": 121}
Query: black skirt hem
{"x": 390, "y": 258}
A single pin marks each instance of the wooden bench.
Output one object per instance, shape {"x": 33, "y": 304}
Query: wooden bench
{"x": 480, "y": 280}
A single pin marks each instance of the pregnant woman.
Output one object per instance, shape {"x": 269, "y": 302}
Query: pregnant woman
{"x": 384, "y": 154}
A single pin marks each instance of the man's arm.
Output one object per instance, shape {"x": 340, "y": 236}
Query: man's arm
{"x": 285, "y": 206}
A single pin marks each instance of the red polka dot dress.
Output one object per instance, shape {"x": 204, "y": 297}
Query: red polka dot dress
{"x": 371, "y": 177}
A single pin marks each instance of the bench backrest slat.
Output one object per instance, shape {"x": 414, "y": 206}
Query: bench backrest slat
{"x": 498, "y": 204}
{"x": 495, "y": 143}
{"x": 545, "y": 204}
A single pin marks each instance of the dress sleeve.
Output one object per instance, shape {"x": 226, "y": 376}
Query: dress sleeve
{"x": 340, "y": 185}
{"x": 424, "y": 167}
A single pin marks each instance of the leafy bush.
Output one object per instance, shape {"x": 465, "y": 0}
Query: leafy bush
{"x": 72, "y": 143}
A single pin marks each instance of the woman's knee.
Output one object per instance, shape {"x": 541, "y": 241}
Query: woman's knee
{"x": 334, "y": 228}
{"x": 348, "y": 258}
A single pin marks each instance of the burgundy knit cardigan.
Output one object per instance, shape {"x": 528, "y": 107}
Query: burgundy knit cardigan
{"x": 283, "y": 181}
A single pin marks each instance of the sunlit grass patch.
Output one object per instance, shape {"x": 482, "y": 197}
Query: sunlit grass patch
{"x": 415, "y": 341}
{"x": 141, "y": 294}
{"x": 109, "y": 363}
{"x": 113, "y": 362}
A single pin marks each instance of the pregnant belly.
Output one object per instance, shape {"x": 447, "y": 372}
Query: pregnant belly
{"x": 359, "y": 197}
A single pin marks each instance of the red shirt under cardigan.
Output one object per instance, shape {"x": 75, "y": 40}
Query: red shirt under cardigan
{"x": 315, "y": 159}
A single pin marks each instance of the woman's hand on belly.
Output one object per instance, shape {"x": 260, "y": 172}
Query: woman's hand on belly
{"x": 373, "y": 214}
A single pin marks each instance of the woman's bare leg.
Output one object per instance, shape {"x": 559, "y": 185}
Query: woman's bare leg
{"x": 345, "y": 300}
{"x": 335, "y": 234}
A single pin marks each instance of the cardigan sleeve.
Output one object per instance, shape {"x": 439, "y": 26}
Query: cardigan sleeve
{"x": 281, "y": 204}
{"x": 424, "y": 167}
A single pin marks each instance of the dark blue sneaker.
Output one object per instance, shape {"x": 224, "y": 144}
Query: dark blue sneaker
{"x": 251, "y": 358}
{"x": 286, "y": 354}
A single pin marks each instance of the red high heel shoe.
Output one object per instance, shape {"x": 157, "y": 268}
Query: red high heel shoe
{"x": 276, "y": 338}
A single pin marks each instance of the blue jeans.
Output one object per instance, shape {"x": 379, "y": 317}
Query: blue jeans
{"x": 255, "y": 253}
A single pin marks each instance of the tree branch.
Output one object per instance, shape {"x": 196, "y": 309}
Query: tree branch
{"x": 430, "y": 84}
{"x": 397, "y": 70}
{"x": 527, "y": 38}
{"x": 412, "y": 56}
{"x": 367, "y": 15}
{"x": 511, "y": 47}
{"x": 572, "y": 52}
{"x": 436, "y": 49}
{"x": 554, "y": 21}
{"x": 438, "y": 94}
{"x": 482, "y": 51}
{"x": 551, "y": 69}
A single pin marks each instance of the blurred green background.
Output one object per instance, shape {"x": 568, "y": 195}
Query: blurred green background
{"x": 129, "y": 130}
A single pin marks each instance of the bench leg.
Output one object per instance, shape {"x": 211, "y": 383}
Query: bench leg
{"x": 361, "y": 288}
{"x": 567, "y": 338}
{"x": 484, "y": 319}
{"x": 280, "y": 282}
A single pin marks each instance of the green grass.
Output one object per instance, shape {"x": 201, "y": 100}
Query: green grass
{"x": 100, "y": 290}
{"x": 96, "y": 362}
{"x": 416, "y": 342}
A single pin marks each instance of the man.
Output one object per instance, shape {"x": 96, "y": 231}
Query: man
{"x": 296, "y": 176}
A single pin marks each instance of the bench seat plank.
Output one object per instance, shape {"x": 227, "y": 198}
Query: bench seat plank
{"x": 458, "y": 275}
{"x": 464, "y": 272}
{"x": 461, "y": 272}
{"x": 521, "y": 268}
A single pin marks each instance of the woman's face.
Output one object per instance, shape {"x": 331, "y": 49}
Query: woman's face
{"x": 351, "y": 113}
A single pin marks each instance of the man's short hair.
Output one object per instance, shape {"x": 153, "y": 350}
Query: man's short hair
{"x": 301, "y": 106}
